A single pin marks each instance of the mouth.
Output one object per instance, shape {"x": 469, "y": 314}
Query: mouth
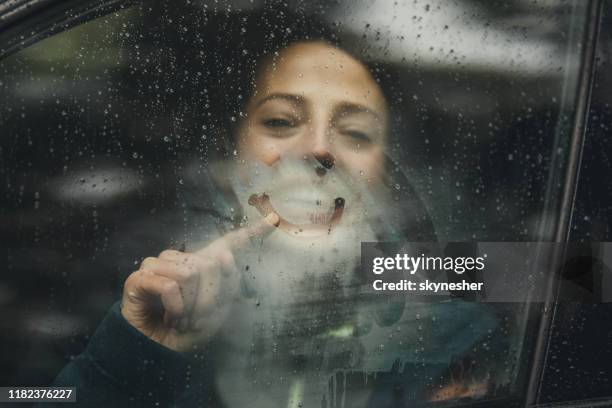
{"x": 320, "y": 226}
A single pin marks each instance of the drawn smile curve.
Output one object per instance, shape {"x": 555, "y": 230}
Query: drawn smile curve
{"x": 264, "y": 206}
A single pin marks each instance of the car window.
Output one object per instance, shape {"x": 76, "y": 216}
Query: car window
{"x": 169, "y": 125}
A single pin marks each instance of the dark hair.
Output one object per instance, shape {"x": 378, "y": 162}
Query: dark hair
{"x": 223, "y": 53}
{"x": 222, "y": 57}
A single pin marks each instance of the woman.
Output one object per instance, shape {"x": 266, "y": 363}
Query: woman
{"x": 266, "y": 300}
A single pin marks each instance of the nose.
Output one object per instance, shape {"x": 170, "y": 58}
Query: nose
{"x": 321, "y": 150}
{"x": 325, "y": 158}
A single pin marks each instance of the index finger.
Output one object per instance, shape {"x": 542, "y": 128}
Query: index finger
{"x": 241, "y": 237}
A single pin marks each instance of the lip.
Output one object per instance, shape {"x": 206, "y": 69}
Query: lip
{"x": 262, "y": 203}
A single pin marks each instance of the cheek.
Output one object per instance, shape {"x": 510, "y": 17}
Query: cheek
{"x": 253, "y": 146}
{"x": 368, "y": 164}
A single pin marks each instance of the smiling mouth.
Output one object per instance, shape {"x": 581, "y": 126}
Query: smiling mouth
{"x": 262, "y": 203}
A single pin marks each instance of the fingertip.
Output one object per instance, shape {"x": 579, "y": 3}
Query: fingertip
{"x": 273, "y": 219}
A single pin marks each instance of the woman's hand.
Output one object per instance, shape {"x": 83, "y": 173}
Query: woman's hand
{"x": 181, "y": 299}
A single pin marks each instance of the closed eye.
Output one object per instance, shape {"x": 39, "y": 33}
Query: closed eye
{"x": 358, "y": 135}
{"x": 278, "y": 123}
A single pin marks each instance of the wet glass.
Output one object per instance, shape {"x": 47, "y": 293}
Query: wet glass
{"x": 576, "y": 336}
{"x": 168, "y": 126}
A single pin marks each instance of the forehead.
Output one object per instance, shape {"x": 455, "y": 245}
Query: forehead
{"x": 318, "y": 71}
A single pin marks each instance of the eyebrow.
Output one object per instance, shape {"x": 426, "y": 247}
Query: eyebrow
{"x": 347, "y": 108}
{"x": 293, "y": 98}
{"x": 344, "y": 108}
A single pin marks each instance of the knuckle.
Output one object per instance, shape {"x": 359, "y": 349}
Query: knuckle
{"x": 168, "y": 253}
{"x": 131, "y": 280}
{"x": 170, "y": 287}
{"x": 148, "y": 262}
{"x": 184, "y": 274}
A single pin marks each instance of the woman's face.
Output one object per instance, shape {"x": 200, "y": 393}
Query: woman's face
{"x": 313, "y": 100}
